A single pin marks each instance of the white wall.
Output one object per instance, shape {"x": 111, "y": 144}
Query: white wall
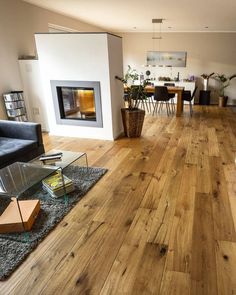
{"x": 33, "y": 92}
{"x": 18, "y": 23}
{"x": 206, "y": 53}
{"x": 81, "y": 57}
{"x": 117, "y": 91}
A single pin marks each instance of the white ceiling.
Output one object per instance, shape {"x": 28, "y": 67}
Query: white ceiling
{"x": 137, "y": 15}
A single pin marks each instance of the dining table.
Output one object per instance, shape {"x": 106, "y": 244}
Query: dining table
{"x": 171, "y": 89}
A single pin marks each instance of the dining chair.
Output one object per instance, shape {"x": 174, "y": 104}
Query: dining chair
{"x": 150, "y": 98}
{"x": 161, "y": 96}
{"x": 171, "y": 95}
{"x": 187, "y": 96}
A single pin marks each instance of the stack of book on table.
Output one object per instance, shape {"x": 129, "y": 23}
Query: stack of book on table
{"x": 56, "y": 186}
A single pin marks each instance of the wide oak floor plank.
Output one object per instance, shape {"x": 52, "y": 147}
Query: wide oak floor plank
{"x": 203, "y": 260}
{"x": 226, "y": 261}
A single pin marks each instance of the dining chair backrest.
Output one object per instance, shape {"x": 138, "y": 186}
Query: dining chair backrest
{"x": 171, "y": 95}
{"x": 187, "y": 94}
{"x": 169, "y": 84}
{"x": 161, "y": 93}
{"x": 149, "y": 94}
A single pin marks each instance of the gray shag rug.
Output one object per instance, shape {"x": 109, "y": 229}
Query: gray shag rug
{"x": 15, "y": 247}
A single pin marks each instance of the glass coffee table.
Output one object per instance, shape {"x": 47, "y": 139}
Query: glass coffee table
{"x": 18, "y": 177}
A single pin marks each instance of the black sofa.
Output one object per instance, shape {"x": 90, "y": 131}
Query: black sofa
{"x": 19, "y": 142}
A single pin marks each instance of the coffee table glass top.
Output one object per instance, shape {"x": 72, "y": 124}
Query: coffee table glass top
{"x": 18, "y": 177}
{"x": 67, "y": 159}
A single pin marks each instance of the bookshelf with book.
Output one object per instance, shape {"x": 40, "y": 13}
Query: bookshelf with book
{"x": 15, "y": 106}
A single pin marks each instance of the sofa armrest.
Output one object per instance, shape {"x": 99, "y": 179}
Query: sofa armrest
{"x": 21, "y": 130}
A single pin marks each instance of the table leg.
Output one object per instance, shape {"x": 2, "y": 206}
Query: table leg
{"x": 179, "y": 109}
{"x": 26, "y": 234}
{"x": 21, "y": 218}
{"x": 66, "y": 201}
{"x": 86, "y": 162}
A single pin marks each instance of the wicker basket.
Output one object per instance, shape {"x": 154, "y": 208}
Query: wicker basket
{"x": 132, "y": 121}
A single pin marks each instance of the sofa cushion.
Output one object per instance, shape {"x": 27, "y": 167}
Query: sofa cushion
{"x": 11, "y": 148}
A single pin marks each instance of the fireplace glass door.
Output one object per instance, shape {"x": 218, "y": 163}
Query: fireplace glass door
{"x": 76, "y": 103}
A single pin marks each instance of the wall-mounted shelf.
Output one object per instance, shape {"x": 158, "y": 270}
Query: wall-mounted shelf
{"x": 15, "y": 106}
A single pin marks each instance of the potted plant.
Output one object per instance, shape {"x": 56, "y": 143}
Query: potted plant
{"x": 224, "y": 83}
{"x": 132, "y": 116}
{"x": 206, "y": 80}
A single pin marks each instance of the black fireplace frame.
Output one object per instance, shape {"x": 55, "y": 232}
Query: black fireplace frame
{"x": 55, "y": 84}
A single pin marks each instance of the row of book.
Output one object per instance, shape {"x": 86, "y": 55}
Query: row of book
{"x": 15, "y": 104}
{"x": 22, "y": 118}
{"x": 14, "y": 96}
{"x": 16, "y": 112}
{"x": 57, "y": 184}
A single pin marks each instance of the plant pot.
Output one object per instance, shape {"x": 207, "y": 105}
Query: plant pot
{"x": 223, "y": 101}
{"x": 132, "y": 121}
{"x": 205, "y": 84}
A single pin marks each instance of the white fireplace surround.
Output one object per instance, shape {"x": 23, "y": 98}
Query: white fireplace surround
{"x": 83, "y": 57}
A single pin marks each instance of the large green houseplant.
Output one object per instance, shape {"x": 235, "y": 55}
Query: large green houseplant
{"x": 224, "y": 82}
{"x": 132, "y": 116}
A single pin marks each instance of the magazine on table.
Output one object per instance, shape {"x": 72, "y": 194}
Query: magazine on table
{"x": 57, "y": 184}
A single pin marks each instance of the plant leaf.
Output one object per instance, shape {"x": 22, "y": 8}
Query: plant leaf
{"x": 233, "y": 76}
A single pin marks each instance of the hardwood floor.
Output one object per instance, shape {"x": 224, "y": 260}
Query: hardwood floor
{"x": 161, "y": 221}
